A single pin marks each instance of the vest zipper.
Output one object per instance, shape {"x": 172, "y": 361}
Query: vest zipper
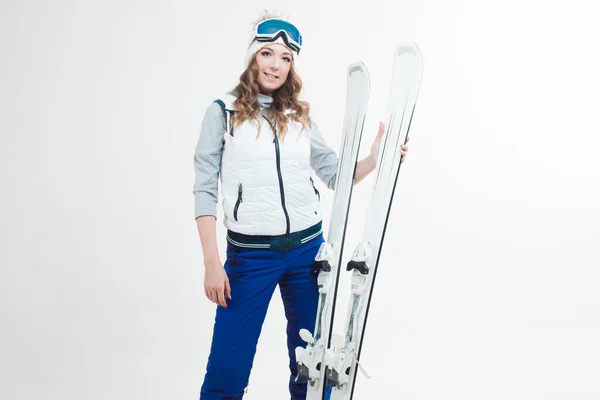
{"x": 281, "y": 191}
{"x": 237, "y": 203}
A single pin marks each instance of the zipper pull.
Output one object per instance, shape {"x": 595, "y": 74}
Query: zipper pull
{"x": 240, "y": 192}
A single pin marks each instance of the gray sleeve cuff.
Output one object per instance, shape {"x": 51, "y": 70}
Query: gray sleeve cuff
{"x": 205, "y": 204}
{"x": 331, "y": 184}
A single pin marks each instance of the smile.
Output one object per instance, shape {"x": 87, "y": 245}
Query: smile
{"x": 269, "y": 76}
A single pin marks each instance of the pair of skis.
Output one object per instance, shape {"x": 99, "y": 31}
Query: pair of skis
{"x": 333, "y": 359}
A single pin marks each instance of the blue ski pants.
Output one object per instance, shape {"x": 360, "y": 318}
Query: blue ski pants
{"x": 253, "y": 275}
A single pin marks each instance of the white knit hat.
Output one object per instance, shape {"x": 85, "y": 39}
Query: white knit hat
{"x": 255, "y": 45}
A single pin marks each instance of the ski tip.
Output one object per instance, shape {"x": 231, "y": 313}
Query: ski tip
{"x": 408, "y": 47}
{"x": 412, "y": 50}
{"x": 357, "y": 66}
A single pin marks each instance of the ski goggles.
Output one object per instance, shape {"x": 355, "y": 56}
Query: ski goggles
{"x": 270, "y": 30}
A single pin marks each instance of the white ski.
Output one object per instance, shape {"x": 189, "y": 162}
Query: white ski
{"x": 311, "y": 360}
{"x": 344, "y": 353}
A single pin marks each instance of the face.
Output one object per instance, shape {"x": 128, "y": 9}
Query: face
{"x": 274, "y": 62}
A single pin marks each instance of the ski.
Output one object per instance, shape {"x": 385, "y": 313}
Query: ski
{"x": 311, "y": 359}
{"x": 343, "y": 355}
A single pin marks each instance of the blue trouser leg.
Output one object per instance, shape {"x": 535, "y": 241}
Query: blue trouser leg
{"x": 300, "y": 296}
{"x": 253, "y": 275}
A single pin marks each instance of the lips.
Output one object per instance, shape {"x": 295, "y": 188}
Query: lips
{"x": 270, "y": 76}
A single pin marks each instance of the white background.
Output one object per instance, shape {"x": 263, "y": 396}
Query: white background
{"x": 489, "y": 276}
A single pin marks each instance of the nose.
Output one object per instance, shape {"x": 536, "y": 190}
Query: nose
{"x": 274, "y": 64}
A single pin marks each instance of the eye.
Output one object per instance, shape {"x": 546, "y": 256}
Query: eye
{"x": 265, "y": 53}
{"x": 287, "y": 59}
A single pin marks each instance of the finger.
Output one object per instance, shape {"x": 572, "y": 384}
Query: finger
{"x": 407, "y": 139}
{"x": 218, "y": 294}
{"x": 381, "y": 130}
{"x": 221, "y": 298}
{"x": 211, "y": 295}
{"x": 208, "y": 290}
{"x": 403, "y": 158}
{"x": 214, "y": 294}
{"x": 227, "y": 289}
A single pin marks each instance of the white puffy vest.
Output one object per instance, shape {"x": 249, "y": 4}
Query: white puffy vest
{"x": 267, "y": 184}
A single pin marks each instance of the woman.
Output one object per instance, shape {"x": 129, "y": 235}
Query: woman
{"x": 261, "y": 142}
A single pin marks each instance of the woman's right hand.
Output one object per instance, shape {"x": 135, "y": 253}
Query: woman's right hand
{"x": 216, "y": 283}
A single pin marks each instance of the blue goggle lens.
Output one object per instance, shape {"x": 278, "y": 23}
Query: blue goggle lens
{"x": 271, "y": 27}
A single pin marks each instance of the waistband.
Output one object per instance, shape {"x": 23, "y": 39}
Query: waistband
{"x": 283, "y": 242}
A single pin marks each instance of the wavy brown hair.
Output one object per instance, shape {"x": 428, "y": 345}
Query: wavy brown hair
{"x": 284, "y": 98}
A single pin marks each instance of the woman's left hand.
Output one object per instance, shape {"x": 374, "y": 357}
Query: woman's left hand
{"x": 368, "y": 164}
{"x": 377, "y": 144}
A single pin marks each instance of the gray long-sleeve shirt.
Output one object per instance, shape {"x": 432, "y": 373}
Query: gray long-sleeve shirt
{"x": 209, "y": 148}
